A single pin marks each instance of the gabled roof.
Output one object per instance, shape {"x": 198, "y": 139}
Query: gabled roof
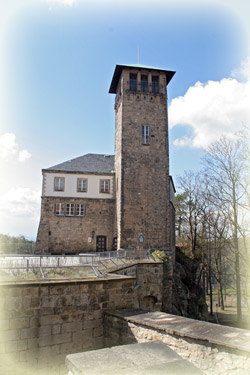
{"x": 89, "y": 163}
{"x": 119, "y": 68}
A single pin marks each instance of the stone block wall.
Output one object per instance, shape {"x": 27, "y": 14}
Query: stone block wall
{"x": 41, "y": 323}
{"x": 65, "y": 234}
{"x": 142, "y": 171}
{"x": 215, "y": 349}
{"x": 149, "y": 279}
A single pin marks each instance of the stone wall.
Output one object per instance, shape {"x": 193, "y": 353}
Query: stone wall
{"x": 118, "y": 176}
{"x": 215, "y": 349}
{"x": 65, "y": 234}
{"x": 148, "y": 288}
{"x": 142, "y": 171}
{"x": 41, "y": 323}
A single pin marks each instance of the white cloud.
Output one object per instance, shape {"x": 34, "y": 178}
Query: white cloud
{"x": 23, "y": 155}
{"x": 213, "y": 108}
{"x": 20, "y": 202}
{"x": 185, "y": 141}
{"x": 9, "y": 149}
{"x": 243, "y": 72}
{"x": 8, "y": 146}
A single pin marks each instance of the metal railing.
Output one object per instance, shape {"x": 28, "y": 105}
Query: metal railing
{"x": 31, "y": 263}
{"x": 145, "y": 87}
{"x": 104, "y": 255}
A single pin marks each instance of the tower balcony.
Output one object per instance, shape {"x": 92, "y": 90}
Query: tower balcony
{"x": 145, "y": 87}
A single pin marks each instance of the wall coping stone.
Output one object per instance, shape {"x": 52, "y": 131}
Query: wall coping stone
{"x": 133, "y": 359}
{"x": 108, "y": 277}
{"x": 217, "y": 334}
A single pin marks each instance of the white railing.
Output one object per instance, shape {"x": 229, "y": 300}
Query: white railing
{"x": 13, "y": 265}
{"x": 30, "y": 263}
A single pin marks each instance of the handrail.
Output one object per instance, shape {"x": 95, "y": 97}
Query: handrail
{"x": 93, "y": 260}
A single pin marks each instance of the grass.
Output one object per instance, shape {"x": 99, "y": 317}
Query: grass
{"x": 49, "y": 274}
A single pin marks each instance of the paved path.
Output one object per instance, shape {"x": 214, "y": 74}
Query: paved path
{"x": 151, "y": 358}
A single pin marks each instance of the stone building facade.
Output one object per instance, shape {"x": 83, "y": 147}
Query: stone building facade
{"x": 77, "y": 211}
{"x": 105, "y": 202}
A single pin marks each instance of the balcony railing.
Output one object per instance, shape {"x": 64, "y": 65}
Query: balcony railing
{"x": 133, "y": 85}
{"x": 144, "y": 86}
{"x": 155, "y": 88}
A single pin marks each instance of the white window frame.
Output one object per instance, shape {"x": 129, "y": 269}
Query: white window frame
{"x": 80, "y": 209}
{"x": 104, "y": 186}
{"x": 82, "y": 185}
{"x": 70, "y": 209}
{"x": 59, "y": 209}
{"x": 59, "y": 183}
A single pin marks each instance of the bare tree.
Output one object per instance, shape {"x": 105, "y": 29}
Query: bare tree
{"x": 225, "y": 171}
{"x": 214, "y": 236}
{"x": 180, "y": 214}
{"x": 191, "y": 184}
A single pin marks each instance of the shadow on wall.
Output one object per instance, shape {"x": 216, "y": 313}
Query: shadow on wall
{"x": 149, "y": 303}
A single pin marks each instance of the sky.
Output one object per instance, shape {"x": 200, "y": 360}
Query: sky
{"x": 57, "y": 58}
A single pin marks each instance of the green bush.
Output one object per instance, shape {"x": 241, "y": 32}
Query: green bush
{"x": 160, "y": 254}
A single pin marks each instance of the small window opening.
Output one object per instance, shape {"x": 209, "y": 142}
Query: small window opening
{"x": 145, "y": 135}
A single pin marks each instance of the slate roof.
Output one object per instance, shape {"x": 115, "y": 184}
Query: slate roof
{"x": 89, "y": 163}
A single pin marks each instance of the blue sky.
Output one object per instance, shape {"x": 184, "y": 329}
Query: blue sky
{"x": 57, "y": 58}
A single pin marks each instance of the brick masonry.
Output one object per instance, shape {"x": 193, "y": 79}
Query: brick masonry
{"x": 72, "y": 234}
{"x": 40, "y": 323}
{"x": 149, "y": 290}
{"x": 142, "y": 171}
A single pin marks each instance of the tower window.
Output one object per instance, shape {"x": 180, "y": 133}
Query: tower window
{"x": 144, "y": 83}
{"x": 133, "y": 82}
{"x": 155, "y": 84}
{"x": 145, "y": 135}
{"x": 82, "y": 185}
{"x": 104, "y": 186}
{"x": 59, "y": 183}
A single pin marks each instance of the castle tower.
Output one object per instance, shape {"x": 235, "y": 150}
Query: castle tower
{"x": 144, "y": 215}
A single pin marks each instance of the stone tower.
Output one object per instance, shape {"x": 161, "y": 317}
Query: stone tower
{"x": 143, "y": 209}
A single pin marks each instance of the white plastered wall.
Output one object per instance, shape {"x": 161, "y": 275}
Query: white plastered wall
{"x": 70, "y": 187}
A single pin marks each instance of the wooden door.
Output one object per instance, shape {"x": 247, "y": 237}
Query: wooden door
{"x": 101, "y": 243}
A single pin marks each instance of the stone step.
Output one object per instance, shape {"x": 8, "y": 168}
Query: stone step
{"x": 151, "y": 358}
